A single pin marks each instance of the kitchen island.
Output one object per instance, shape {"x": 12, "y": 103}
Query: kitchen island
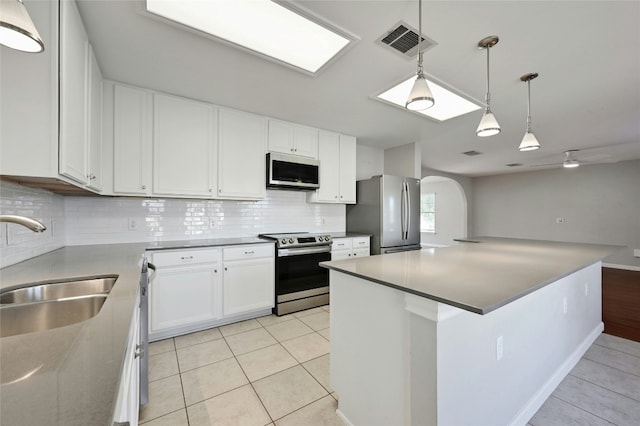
{"x": 474, "y": 334}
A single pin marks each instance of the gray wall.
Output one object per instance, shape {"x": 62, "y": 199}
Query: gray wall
{"x": 451, "y": 215}
{"x": 403, "y": 160}
{"x": 467, "y": 186}
{"x": 600, "y": 203}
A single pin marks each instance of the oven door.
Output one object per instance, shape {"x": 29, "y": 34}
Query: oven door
{"x": 298, "y": 273}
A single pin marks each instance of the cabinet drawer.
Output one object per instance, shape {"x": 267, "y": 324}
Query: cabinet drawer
{"x": 185, "y": 257}
{"x": 361, "y": 252}
{"x": 361, "y": 242}
{"x": 341, "y": 244}
{"x": 248, "y": 251}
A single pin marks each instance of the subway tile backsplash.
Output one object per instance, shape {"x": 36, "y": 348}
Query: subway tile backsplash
{"x": 105, "y": 220}
{"x": 18, "y": 243}
{"x": 101, "y": 220}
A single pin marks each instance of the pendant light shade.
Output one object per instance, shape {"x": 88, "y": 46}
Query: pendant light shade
{"x": 529, "y": 141}
{"x": 420, "y": 97}
{"x": 17, "y": 30}
{"x": 570, "y": 163}
{"x": 488, "y": 125}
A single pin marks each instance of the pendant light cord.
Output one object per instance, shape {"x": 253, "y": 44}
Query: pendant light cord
{"x": 529, "y": 106}
{"x": 488, "y": 96}
{"x": 419, "y": 37}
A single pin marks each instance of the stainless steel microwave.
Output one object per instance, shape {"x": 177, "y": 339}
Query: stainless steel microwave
{"x": 292, "y": 172}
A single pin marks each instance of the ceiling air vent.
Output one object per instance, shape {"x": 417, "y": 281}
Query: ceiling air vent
{"x": 513, "y": 164}
{"x": 403, "y": 40}
{"x": 472, "y": 153}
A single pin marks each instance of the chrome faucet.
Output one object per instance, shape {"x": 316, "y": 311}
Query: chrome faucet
{"x": 32, "y": 224}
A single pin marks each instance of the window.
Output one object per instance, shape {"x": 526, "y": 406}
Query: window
{"x": 428, "y": 212}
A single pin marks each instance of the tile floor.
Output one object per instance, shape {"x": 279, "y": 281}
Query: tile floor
{"x": 275, "y": 371}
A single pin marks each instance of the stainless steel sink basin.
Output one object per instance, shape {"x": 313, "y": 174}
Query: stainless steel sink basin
{"x": 58, "y": 290}
{"x": 39, "y": 316}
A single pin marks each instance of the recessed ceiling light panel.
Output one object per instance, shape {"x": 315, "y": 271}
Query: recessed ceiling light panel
{"x": 448, "y": 104}
{"x": 262, "y": 26}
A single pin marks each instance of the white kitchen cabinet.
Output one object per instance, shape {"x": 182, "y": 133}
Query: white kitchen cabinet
{"x": 131, "y": 140}
{"x": 337, "y": 155}
{"x": 128, "y": 399}
{"x": 184, "y": 291}
{"x": 249, "y": 276}
{"x": 184, "y": 147}
{"x": 94, "y": 154}
{"x": 74, "y": 62}
{"x": 288, "y": 138}
{"x": 242, "y": 148}
{"x": 347, "y": 248}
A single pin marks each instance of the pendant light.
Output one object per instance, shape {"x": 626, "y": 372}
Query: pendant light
{"x": 570, "y": 163}
{"x": 488, "y": 125}
{"x": 17, "y": 30}
{"x": 420, "y": 97}
{"x": 529, "y": 141}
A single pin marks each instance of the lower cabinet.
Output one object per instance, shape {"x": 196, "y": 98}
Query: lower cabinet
{"x": 196, "y": 289}
{"x": 347, "y": 248}
{"x": 127, "y": 402}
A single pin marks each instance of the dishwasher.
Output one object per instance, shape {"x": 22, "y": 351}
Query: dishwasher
{"x": 146, "y": 277}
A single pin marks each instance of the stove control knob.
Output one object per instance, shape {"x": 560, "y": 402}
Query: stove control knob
{"x": 326, "y": 238}
{"x": 290, "y": 240}
{"x": 284, "y": 241}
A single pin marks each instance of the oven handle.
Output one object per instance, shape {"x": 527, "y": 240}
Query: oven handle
{"x": 301, "y": 251}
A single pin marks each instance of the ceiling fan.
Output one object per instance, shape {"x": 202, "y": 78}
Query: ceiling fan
{"x": 572, "y": 159}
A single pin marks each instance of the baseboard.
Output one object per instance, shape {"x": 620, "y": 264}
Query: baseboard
{"x": 534, "y": 404}
{"x": 343, "y": 418}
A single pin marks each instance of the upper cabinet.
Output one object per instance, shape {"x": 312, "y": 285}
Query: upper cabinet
{"x": 288, "y": 138}
{"x": 337, "y": 155}
{"x": 80, "y": 97}
{"x": 242, "y": 148}
{"x": 184, "y": 147}
{"x": 131, "y": 141}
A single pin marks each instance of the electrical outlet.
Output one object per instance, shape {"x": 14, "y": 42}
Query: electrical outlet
{"x": 559, "y": 219}
{"x": 212, "y": 223}
{"x": 636, "y": 252}
{"x": 565, "y": 305}
{"x": 499, "y": 348}
{"x": 133, "y": 224}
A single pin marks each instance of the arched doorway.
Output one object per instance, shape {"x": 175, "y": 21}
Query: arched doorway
{"x": 449, "y": 208}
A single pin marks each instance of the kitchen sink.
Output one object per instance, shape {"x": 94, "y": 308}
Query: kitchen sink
{"x": 58, "y": 290}
{"x": 39, "y": 316}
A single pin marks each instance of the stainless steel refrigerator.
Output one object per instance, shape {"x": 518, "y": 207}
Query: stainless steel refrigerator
{"x": 388, "y": 208}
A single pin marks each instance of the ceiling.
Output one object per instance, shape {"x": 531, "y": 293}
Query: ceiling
{"x": 586, "y": 52}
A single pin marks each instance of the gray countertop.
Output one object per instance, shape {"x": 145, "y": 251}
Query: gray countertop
{"x": 348, "y": 234}
{"x": 478, "y": 276}
{"x": 70, "y": 375}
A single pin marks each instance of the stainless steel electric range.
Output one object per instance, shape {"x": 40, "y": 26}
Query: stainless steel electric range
{"x": 300, "y": 282}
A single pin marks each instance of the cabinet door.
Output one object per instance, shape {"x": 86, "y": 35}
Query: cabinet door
{"x": 361, "y": 252}
{"x": 127, "y": 401}
{"x": 248, "y": 285}
{"x": 183, "y": 144}
{"x": 131, "y": 141}
{"x": 347, "y": 175}
{"x": 94, "y": 160}
{"x": 182, "y": 296}
{"x": 242, "y": 146}
{"x": 73, "y": 93}
{"x": 305, "y": 140}
{"x": 329, "y": 156}
{"x": 280, "y": 137}
{"x": 340, "y": 254}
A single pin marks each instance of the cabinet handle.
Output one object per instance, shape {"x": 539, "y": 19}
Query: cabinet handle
{"x": 220, "y": 190}
{"x": 349, "y": 254}
{"x": 355, "y": 254}
{"x": 143, "y": 187}
{"x": 215, "y": 271}
{"x": 249, "y": 252}
{"x": 186, "y": 257}
{"x": 335, "y": 196}
{"x": 225, "y": 268}
{"x": 341, "y": 196}
{"x": 210, "y": 189}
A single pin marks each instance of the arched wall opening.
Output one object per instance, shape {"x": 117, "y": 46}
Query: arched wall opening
{"x": 450, "y": 211}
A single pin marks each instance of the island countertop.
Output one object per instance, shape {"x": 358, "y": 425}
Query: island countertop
{"x": 479, "y": 274}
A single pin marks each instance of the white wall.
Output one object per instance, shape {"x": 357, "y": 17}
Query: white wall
{"x": 466, "y": 183}
{"x": 403, "y": 160}
{"x": 18, "y": 243}
{"x": 369, "y": 162}
{"x": 600, "y": 204}
{"x": 450, "y": 211}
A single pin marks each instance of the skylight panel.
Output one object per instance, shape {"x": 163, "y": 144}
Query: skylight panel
{"x": 448, "y": 104}
{"x": 262, "y": 26}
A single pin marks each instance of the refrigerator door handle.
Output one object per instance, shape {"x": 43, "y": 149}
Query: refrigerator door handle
{"x": 405, "y": 210}
{"x": 408, "y": 210}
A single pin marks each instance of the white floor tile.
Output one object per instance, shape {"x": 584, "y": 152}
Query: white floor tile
{"x": 237, "y": 407}
{"x": 198, "y": 337}
{"x": 317, "y": 321}
{"x": 289, "y": 329}
{"x": 177, "y": 418}
{"x": 250, "y": 341}
{"x": 165, "y": 396}
{"x": 163, "y": 365}
{"x": 265, "y": 362}
{"x": 202, "y": 354}
{"x": 307, "y": 347}
{"x": 318, "y": 413}
{"x": 239, "y": 327}
{"x": 211, "y": 380}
